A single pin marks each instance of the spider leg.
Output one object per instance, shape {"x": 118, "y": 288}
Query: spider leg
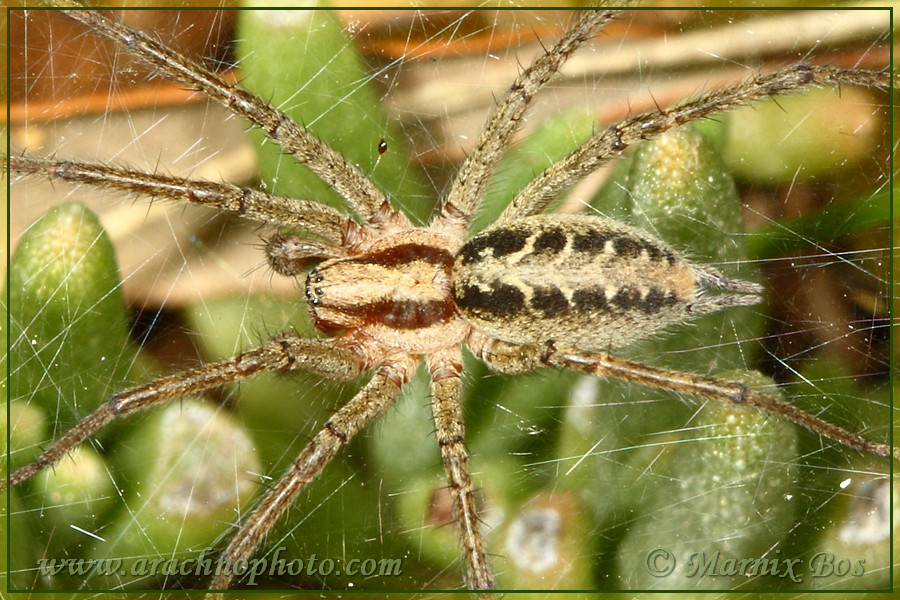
{"x": 445, "y": 368}
{"x": 286, "y": 352}
{"x": 513, "y": 358}
{"x": 506, "y": 119}
{"x": 330, "y": 166}
{"x": 291, "y": 255}
{"x": 609, "y": 143}
{"x": 368, "y": 405}
{"x": 311, "y": 217}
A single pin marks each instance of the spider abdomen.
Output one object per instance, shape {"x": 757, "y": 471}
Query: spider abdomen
{"x": 580, "y": 280}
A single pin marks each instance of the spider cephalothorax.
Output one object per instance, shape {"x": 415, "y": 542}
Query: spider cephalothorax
{"x": 528, "y": 292}
{"x": 397, "y": 292}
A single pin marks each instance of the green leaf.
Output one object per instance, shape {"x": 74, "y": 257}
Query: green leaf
{"x": 303, "y": 62}
{"x": 820, "y": 226}
{"x": 813, "y": 134}
{"x": 69, "y": 350}
{"x": 551, "y": 141}
{"x": 69, "y": 327}
{"x": 720, "y": 499}
{"x": 190, "y": 469}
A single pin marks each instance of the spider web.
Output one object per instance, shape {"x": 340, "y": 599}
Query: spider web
{"x": 585, "y": 476}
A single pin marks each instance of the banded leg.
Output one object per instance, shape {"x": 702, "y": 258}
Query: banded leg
{"x": 446, "y": 403}
{"x": 311, "y": 217}
{"x": 507, "y": 357}
{"x": 611, "y": 142}
{"x": 282, "y": 353}
{"x": 470, "y": 183}
{"x": 368, "y": 405}
{"x": 330, "y": 166}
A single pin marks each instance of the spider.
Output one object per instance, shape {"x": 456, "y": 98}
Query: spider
{"x": 390, "y": 294}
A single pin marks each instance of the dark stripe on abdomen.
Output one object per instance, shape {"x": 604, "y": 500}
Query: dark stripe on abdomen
{"x": 505, "y": 300}
{"x": 500, "y": 300}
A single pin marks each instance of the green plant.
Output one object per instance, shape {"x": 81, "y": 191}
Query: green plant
{"x": 617, "y": 476}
